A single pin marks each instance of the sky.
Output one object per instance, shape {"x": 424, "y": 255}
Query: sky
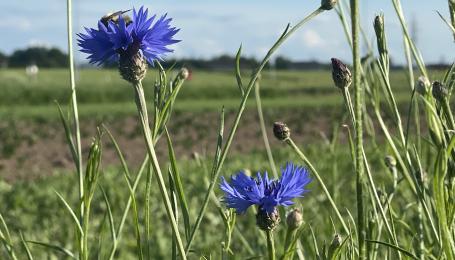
{"x": 212, "y": 28}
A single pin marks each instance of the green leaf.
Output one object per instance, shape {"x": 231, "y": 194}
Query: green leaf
{"x": 238, "y": 74}
{"x": 54, "y": 247}
{"x": 404, "y": 251}
{"x": 178, "y": 185}
{"x": 73, "y": 215}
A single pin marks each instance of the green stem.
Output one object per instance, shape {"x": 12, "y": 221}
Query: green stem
{"x": 264, "y": 131}
{"x": 235, "y": 125}
{"x": 270, "y": 245}
{"x": 355, "y": 22}
{"x": 142, "y": 110}
{"x": 321, "y": 182}
{"x": 75, "y": 116}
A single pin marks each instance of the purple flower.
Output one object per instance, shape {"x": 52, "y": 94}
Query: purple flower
{"x": 111, "y": 39}
{"x": 245, "y": 191}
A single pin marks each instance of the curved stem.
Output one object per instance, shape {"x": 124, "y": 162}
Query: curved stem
{"x": 321, "y": 182}
{"x": 264, "y": 131}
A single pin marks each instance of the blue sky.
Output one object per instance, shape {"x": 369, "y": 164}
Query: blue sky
{"x": 210, "y": 28}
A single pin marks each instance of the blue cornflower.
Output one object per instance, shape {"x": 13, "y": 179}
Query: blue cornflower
{"x": 116, "y": 37}
{"x": 245, "y": 191}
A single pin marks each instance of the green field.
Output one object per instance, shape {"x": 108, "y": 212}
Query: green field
{"x": 102, "y": 92}
{"x": 30, "y": 205}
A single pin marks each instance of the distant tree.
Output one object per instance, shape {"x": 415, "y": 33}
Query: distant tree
{"x": 282, "y": 63}
{"x": 42, "y": 57}
{"x": 3, "y": 60}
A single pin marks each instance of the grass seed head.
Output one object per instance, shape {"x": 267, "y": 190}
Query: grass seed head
{"x": 341, "y": 74}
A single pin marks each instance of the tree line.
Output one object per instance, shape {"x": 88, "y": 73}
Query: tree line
{"x": 45, "y": 57}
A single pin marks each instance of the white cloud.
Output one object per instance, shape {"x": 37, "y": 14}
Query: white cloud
{"x": 38, "y": 43}
{"x": 312, "y": 39}
{"x": 15, "y": 23}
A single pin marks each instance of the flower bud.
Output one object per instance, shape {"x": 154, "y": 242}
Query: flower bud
{"x": 422, "y": 85}
{"x": 336, "y": 243}
{"x": 341, "y": 75}
{"x": 294, "y": 219}
{"x": 439, "y": 91}
{"x": 132, "y": 65}
{"x": 281, "y": 131}
{"x": 390, "y": 161}
{"x": 184, "y": 73}
{"x": 267, "y": 221}
{"x": 380, "y": 33}
{"x": 328, "y": 4}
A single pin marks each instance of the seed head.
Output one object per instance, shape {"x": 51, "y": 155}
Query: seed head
{"x": 267, "y": 221}
{"x": 439, "y": 91}
{"x": 422, "y": 85}
{"x": 281, "y": 131}
{"x": 294, "y": 219}
{"x": 328, "y": 4}
{"x": 341, "y": 75}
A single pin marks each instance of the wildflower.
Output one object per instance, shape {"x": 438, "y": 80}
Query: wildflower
{"x": 281, "y": 131}
{"x": 245, "y": 191}
{"x": 439, "y": 91}
{"x": 131, "y": 43}
{"x": 341, "y": 74}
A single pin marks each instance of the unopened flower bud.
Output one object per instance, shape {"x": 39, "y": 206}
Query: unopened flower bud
{"x": 439, "y": 91}
{"x": 281, "y": 131}
{"x": 390, "y": 161}
{"x": 267, "y": 221}
{"x": 380, "y": 33}
{"x": 132, "y": 65}
{"x": 184, "y": 73}
{"x": 422, "y": 85}
{"x": 336, "y": 243}
{"x": 341, "y": 75}
{"x": 328, "y": 4}
{"x": 294, "y": 219}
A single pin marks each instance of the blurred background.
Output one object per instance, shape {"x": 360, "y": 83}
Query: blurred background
{"x": 296, "y": 87}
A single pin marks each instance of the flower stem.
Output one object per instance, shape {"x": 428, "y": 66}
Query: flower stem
{"x": 142, "y": 110}
{"x": 358, "y": 90}
{"x": 270, "y": 245}
{"x": 75, "y": 119}
{"x": 321, "y": 182}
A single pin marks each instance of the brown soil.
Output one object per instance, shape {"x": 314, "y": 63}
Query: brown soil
{"x": 30, "y": 149}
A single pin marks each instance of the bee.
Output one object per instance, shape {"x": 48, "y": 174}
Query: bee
{"x": 114, "y": 17}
